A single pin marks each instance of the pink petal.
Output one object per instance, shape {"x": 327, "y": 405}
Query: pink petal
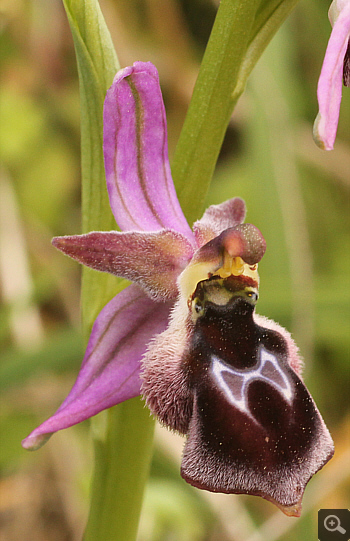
{"x": 329, "y": 90}
{"x": 153, "y": 260}
{"x": 140, "y": 186}
{"x": 110, "y": 370}
{"x": 244, "y": 240}
{"x": 217, "y": 218}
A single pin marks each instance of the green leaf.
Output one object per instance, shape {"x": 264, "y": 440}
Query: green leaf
{"x": 122, "y": 456}
{"x": 240, "y": 34}
{"x": 211, "y": 105}
{"x": 97, "y": 66}
{"x": 268, "y": 20}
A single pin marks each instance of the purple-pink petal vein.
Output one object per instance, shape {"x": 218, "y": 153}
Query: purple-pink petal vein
{"x": 151, "y": 259}
{"x": 110, "y": 372}
{"x": 140, "y": 186}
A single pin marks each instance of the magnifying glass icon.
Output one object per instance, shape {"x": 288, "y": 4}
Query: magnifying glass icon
{"x": 332, "y": 524}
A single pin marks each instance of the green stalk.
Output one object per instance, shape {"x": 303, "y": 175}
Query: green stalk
{"x": 241, "y": 31}
{"x": 268, "y": 20}
{"x": 123, "y": 435}
{"x": 212, "y": 104}
{"x": 123, "y": 452}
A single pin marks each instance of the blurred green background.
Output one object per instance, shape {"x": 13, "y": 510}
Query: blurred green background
{"x": 295, "y": 193}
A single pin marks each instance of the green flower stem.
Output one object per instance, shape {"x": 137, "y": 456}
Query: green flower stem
{"x": 241, "y": 31}
{"x": 123, "y": 453}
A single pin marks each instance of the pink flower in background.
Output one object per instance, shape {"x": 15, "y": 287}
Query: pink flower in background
{"x": 335, "y": 71}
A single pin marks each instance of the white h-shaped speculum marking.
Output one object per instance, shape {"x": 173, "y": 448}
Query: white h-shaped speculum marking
{"x": 239, "y": 399}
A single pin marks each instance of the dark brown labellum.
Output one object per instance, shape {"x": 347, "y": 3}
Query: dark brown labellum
{"x": 255, "y": 428}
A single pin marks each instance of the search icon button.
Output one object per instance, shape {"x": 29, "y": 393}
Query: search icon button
{"x": 332, "y": 524}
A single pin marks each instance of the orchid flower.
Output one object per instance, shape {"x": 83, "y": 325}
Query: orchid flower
{"x": 185, "y": 333}
{"x": 335, "y": 71}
